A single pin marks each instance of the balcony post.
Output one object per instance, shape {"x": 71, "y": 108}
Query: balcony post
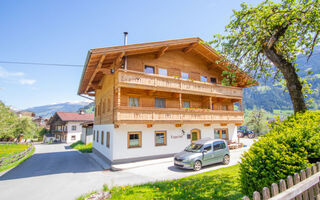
{"x": 210, "y": 102}
{"x": 241, "y": 105}
{"x": 180, "y": 102}
{"x": 119, "y": 97}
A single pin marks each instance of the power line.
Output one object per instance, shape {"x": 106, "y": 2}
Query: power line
{"x": 37, "y": 63}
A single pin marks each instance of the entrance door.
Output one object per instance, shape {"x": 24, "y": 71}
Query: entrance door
{"x": 221, "y": 134}
{"x": 195, "y": 135}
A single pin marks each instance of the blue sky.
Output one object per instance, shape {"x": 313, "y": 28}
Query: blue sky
{"x": 63, "y": 31}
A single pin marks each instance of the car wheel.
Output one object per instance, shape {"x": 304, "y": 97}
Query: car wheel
{"x": 226, "y": 159}
{"x": 251, "y": 135}
{"x": 197, "y": 165}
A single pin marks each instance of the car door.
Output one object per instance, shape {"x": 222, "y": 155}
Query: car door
{"x": 207, "y": 157}
{"x": 218, "y": 151}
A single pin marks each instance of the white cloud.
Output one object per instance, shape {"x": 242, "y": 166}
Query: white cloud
{"x": 6, "y": 74}
{"x": 27, "y": 81}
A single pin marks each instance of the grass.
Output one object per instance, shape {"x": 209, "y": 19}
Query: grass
{"x": 7, "y": 150}
{"x": 84, "y": 148}
{"x": 16, "y": 163}
{"x": 217, "y": 184}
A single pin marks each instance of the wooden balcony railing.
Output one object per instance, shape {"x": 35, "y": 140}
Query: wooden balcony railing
{"x": 173, "y": 115}
{"x": 141, "y": 80}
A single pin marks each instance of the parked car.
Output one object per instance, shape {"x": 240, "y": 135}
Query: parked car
{"x": 203, "y": 152}
{"x": 244, "y": 131}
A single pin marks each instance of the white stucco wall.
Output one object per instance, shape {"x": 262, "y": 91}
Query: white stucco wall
{"x": 71, "y": 132}
{"x": 102, "y": 148}
{"x": 119, "y": 139}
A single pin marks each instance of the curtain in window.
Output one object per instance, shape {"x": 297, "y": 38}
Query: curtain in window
{"x": 160, "y": 103}
{"x": 134, "y": 140}
{"x": 160, "y": 138}
{"x": 134, "y": 102}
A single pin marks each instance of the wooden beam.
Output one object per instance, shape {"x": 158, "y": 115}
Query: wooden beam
{"x": 223, "y": 124}
{"x": 105, "y": 71}
{"x": 119, "y": 58}
{"x": 178, "y": 125}
{"x": 191, "y": 47}
{"x": 91, "y": 94}
{"x": 162, "y": 51}
{"x": 149, "y": 125}
{"x": 212, "y": 65}
{"x": 207, "y": 124}
{"x": 95, "y": 71}
{"x": 96, "y": 87}
{"x": 180, "y": 101}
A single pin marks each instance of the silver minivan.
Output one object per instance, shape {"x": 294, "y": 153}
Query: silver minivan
{"x": 203, "y": 152}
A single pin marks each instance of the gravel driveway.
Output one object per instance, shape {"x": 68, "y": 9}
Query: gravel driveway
{"x": 57, "y": 172}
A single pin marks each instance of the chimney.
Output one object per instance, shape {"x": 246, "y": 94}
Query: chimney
{"x": 125, "y": 43}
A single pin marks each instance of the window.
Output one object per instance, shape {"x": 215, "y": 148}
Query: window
{"x": 204, "y": 79}
{"x": 163, "y": 72}
{"x": 221, "y": 134}
{"x": 149, "y": 69}
{"x": 160, "y": 138}
{"x": 108, "y": 140}
{"x": 94, "y": 135}
{"x": 207, "y": 147}
{"x": 213, "y": 80}
{"x": 74, "y": 128}
{"x": 186, "y": 104}
{"x": 219, "y": 145}
{"x": 160, "y": 102}
{"x": 97, "y": 136}
{"x": 184, "y": 75}
{"x": 134, "y": 139}
{"x": 102, "y": 137}
{"x": 134, "y": 101}
{"x": 73, "y": 137}
{"x": 224, "y": 107}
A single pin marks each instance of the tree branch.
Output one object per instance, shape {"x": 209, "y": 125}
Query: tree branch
{"x": 312, "y": 46}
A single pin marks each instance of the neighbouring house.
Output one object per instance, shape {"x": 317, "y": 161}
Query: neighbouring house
{"x": 154, "y": 99}
{"x": 48, "y": 138}
{"x": 25, "y": 113}
{"x": 87, "y": 132}
{"x": 66, "y": 126}
{"x": 41, "y": 122}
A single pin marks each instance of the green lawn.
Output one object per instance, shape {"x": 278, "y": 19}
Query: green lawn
{"x": 11, "y": 149}
{"x": 217, "y": 184}
{"x": 82, "y": 147}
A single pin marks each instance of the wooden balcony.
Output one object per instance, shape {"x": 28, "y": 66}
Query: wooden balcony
{"x": 133, "y": 79}
{"x": 138, "y": 115}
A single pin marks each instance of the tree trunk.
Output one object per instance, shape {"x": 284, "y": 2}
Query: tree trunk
{"x": 292, "y": 80}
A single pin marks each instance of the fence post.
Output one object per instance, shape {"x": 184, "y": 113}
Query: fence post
{"x": 274, "y": 189}
{"x": 256, "y": 196}
{"x": 265, "y": 193}
{"x": 296, "y": 181}
{"x": 245, "y": 198}
{"x": 309, "y": 173}
{"x": 283, "y": 186}
{"x": 316, "y": 186}
{"x": 303, "y": 177}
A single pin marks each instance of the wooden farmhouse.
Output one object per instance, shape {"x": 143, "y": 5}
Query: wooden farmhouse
{"x": 154, "y": 99}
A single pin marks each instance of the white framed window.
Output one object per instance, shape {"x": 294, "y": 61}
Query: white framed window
{"x": 74, "y": 127}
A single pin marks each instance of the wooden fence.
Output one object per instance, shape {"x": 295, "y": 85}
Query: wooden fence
{"x": 301, "y": 186}
{"x": 15, "y": 157}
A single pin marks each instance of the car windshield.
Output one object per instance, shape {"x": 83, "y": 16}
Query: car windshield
{"x": 194, "y": 147}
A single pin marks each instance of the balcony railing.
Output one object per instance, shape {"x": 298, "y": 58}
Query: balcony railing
{"x": 173, "y": 115}
{"x": 141, "y": 80}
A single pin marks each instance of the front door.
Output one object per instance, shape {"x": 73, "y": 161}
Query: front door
{"x": 221, "y": 134}
{"x": 195, "y": 135}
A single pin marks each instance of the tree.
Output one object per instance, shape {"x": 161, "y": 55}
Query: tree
{"x": 8, "y": 121}
{"x": 265, "y": 40}
{"x": 256, "y": 120}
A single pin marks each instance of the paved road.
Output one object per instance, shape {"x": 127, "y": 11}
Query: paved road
{"x": 57, "y": 172}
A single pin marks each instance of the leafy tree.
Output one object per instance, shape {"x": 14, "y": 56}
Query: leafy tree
{"x": 25, "y": 126}
{"x": 256, "y": 120}
{"x": 8, "y": 121}
{"x": 273, "y": 34}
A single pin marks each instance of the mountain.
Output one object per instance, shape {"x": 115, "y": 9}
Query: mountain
{"x": 271, "y": 96}
{"x": 48, "y": 110}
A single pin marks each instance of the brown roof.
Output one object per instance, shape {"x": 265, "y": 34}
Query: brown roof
{"x": 99, "y": 61}
{"x": 71, "y": 116}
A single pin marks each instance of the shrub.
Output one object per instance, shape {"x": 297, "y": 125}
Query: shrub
{"x": 290, "y": 146}
{"x": 84, "y": 148}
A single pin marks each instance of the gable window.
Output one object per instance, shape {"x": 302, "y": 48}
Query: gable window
{"x": 160, "y": 138}
{"x": 163, "y": 72}
{"x": 148, "y": 69}
{"x": 160, "y": 102}
{"x": 97, "y": 136}
{"x": 134, "y": 101}
{"x": 186, "y": 104}
{"x": 74, "y": 128}
{"x": 204, "y": 79}
{"x": 184, "y": 75}
{"x": 108, "y": 139}
{"x": 213, "y": 80}
{"x": 134, "y": 139}
{"x": 102, "y": 137}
